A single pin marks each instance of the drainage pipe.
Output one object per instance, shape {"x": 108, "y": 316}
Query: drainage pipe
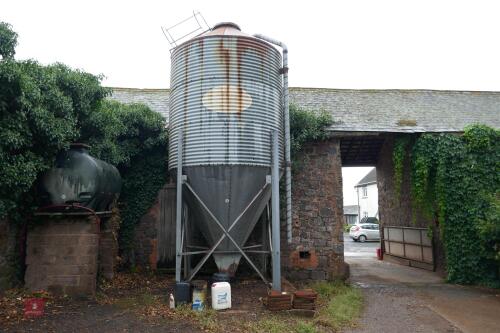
{"x": 288, "y": 163}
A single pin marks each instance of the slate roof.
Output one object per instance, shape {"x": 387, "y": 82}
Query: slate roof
{"x": 372, "y": 110}
{"x": 156, "y": 99}
{"x": 370, "y": 178}
{"x": 351, "y": 210}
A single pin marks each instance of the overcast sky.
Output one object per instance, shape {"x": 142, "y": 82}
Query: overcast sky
{"x": 333, "y": 44}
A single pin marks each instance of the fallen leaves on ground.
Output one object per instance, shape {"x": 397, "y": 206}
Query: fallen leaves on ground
{"x": 126, "y": 284}
{"x": 12, "y": 305}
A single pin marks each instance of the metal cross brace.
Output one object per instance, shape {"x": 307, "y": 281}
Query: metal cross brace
{"x": 226, "y": 234}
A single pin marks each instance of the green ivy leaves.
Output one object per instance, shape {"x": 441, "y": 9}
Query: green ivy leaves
{"x": 307, "y": 126}
{"x": 398, "y": 158}
{"x": 456, "y": 179}
{"x": 8, "y": 41}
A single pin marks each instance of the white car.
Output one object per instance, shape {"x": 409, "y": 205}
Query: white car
{"x": 364, "y": 231}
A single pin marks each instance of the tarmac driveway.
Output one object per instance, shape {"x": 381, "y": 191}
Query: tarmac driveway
{"x": 407, "y": 299}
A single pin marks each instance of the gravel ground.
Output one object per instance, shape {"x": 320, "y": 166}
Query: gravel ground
{"x": 119, "y": 308}
{"x": 405, "y": 299}
{"x": 398, "y": 309}
{"x": 136, "y": 303}
{"x": 397, "y": 299}
{"x": 94, "y": 318}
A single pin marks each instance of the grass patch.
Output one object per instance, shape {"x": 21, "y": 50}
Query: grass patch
{"x": 206, "y": 319}
{"x": 305, "y": 327}
{"x": 280, "y": 324}
{"x": 271, "y": 324}
{"x": 341, "y": 304}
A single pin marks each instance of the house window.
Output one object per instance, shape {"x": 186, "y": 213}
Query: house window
{"x": 365, "y": 192}
{"x": 365, "y": 214}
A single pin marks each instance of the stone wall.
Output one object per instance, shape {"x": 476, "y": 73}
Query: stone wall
{"x": 399, "y": 211}
{"x": 62, "y": 254}
{"x": 146, "y": 238}
{"x": 317, "y": 249}
{"x": 108, "y": 245}
{"x": 7, "y": 250}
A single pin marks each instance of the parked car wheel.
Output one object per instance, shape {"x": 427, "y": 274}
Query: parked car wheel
{"x": 362, "y": 238}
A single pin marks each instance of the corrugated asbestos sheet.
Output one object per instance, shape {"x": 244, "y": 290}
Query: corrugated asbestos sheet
{"x": 372, "y": 110}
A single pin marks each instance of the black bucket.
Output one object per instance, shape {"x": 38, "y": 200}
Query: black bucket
{"x": 182, "y": 293}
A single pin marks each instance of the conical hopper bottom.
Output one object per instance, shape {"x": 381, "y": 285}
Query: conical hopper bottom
{"x": 226, "y": 190}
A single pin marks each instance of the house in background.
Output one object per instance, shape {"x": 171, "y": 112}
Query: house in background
{"x": 367, "y": 193}
{"x": 351, "y": 214}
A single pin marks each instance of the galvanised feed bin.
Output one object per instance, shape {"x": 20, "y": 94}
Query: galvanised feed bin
{"x": 78, "y": 178}
{"x": 226, "y": 96}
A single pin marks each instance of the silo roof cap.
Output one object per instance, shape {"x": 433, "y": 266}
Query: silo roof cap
{"x": 226, "y": 25}
{"x": 225, "y": 29}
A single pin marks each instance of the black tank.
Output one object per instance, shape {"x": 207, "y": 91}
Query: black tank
{"x": 78, "y": 178}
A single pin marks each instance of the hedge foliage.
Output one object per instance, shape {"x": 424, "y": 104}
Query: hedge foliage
{"x": 8, "y": 41}
{"x": 134, "y": 138}
{"x": 45, "y": 108}
{"x": 455, "y": 180}
{"x": 42, "y": 110}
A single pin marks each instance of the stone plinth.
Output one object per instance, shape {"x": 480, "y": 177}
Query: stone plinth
{"x": 108, "y": 246}
{"x": 61, "y": 255}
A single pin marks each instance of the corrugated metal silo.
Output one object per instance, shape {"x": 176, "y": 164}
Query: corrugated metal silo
{"x": 226, "y": 98}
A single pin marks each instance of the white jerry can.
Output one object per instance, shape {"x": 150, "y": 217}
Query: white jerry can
{"x": 221, "y": 296}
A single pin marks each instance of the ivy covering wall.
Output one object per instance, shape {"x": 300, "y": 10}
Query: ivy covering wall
{"x": 306, "y": 126}
{"x": 455, "y": 181}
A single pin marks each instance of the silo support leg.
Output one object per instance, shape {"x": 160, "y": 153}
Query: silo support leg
{"x": 178, "y": 213}
{"x": 275, "y": 214}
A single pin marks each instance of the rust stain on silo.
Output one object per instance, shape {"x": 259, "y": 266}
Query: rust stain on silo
{"x": 239, "y": 51}
{"x": 225, "y": 58}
